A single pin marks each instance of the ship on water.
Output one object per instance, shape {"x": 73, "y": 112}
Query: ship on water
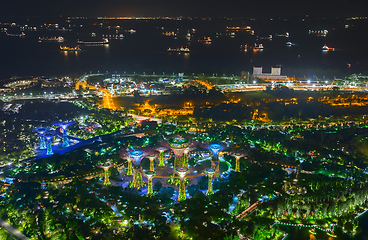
{"x": 326, "y": 48}
{"x": 181, "y": 49}
{"x": 258, "y": 47}
{"x": 244, "y": 47}
{"x": 22, "y": 34}
{"x": 205, "y": 40}
{"x": 65, "y": 48}
{"x": 94, "y": 43}
{"x": 56, "y": 39}
{"x": 117, "y": 36}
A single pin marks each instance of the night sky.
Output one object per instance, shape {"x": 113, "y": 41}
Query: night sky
{"x": 265, "y": 8}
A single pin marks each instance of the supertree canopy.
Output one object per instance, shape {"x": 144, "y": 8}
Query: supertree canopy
{"x": 180, "y": 147}
{"x": 136, "y": 156}
{"x": 64, "y": 126}
{"x": 215, "y": 149}
{"x": 179, "y": 142}
{"x": 41, "y": 131}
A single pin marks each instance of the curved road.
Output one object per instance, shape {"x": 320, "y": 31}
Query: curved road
{"x": 13, "y": 230}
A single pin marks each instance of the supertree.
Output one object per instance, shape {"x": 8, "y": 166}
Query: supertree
{"x": 150, "y": 175}
{"x": 106, "y": 167}
{"x": 182, "y": 171}
{"x": 210, "y": 172}
{"x": 137, "y": 181}
{"x": 215, "y": 149}
{"x": 41, "y": 131}
{"x": 48, "y": 136}
{"x": 161, "y": 158}
{"x": 237, "y": 158}
{"x": 180, "y": 147}
{"x": 152, "y": 157}
{"x": 130, "y": 167}
{"x": 64, "y": 126}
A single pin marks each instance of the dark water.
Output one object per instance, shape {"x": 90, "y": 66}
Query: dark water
{"x": 145, "y": 50}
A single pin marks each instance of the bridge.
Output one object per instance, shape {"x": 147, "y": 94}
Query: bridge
{"x": 250, "y": 209}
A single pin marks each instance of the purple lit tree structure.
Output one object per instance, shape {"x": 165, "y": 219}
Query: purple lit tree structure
{"x": 150, "y": 175}
{"x": 182, "y": 171}
{"x": 237, "y": 158}
{"x": 210, "y": 172}
{"x": 41, "y": 131}
{"x": 161, "y": 158}
{"x": 48, "y": 136}
{"x": 106, "y": 167}
{"x": 137, "y": 181}
{"x": 64, "y": 126}
{"x": 152, "y": 157}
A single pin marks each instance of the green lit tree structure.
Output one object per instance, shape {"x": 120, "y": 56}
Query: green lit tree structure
{"x": 48, "y": 136}
{"x": 161, "y": 158}
{"x": 237, "y": 158}
{"x": 182, "y": 171}
{"x": 150, "y": 175}
{"x": 179, "y": 145}
{"x": 106, "y": 166}
{"x": 130, "y": 166}
{"x": 137, "y": 181}
{"x": 152, "y": 157}
{"x": 210, "y": 172}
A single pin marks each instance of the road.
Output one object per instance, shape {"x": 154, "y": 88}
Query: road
{"x": 13, "y": 230}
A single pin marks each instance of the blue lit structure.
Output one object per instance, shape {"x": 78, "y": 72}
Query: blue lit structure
{"x": 64, "y": 126}
{"x": 48, "y": 136}
{"x": 41, "y": 131}
{"x": 136, "y": 156}
{"x": 215, "y": 149}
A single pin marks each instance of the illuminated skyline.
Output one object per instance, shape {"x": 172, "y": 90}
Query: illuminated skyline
{"x": 265, "y": 8}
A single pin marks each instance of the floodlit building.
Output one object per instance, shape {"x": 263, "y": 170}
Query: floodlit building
{"x": 274, "y": 75}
